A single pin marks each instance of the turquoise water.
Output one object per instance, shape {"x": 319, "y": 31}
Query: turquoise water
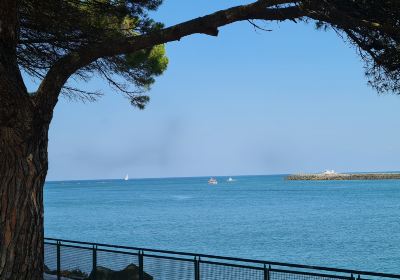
{"x": 350, "y": 224}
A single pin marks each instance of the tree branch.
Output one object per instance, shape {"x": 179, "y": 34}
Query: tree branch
{"x": 48, "y": 91}
{"x": 13, "y": 93}
{"x": 346, "y": 21}
{"x": 9, "y": 23}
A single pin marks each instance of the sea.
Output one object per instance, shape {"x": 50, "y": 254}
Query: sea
{"x": 346, "y": 224}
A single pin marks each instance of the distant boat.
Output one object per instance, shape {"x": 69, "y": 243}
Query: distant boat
{"x": 126, "y": 177}
{"x": 230, "y": 179}
{"x": 212, "y": 181}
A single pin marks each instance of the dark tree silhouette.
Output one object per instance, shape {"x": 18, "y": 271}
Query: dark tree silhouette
{"x": 55, "y": 40}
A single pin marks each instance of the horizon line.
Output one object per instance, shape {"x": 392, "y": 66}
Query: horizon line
{"x": 206, "y": 176}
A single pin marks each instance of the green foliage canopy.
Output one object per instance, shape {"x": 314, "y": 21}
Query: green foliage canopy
{"x": 51, "y": 29}
{"x": 373, "y": 27}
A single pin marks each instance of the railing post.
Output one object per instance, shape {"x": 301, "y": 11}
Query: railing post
{"x": 94, "y": 262}
{"x": 266, "y": 272}
{"x": 352, "y": 277}
{"x": 141, "y": 270}
{"x": 58, "y": 260}
{"x": 196, "y": 268}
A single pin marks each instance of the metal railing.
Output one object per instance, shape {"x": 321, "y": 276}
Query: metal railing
{"x": 66, "y": 259}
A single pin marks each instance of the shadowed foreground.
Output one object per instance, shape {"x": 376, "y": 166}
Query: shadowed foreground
{"x": 94, "y": 261}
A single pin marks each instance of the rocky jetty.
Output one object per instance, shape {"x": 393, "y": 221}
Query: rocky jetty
{"x": 345, "y": 176}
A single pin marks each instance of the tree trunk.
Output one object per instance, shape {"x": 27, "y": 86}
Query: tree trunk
{"x": 23, "y": 168}
{"x": 23, "y": 161}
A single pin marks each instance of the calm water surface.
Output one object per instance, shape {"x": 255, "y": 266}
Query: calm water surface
{"x": 350, "y": 224}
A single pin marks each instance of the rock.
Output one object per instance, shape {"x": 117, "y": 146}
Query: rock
{"x": 131, "y": 272}
{"x": 74, "y": 274}
{"x": 65, "y": 274}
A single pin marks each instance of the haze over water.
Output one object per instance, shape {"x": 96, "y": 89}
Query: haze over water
{"x": 350, "y": 224}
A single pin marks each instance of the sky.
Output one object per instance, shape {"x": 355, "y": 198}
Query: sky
{"x": 246, "y": 102}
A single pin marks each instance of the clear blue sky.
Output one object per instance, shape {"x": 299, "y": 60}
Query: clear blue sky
{"x": 246, "y": 102}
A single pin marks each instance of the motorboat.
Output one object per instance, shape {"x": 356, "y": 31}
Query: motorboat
{"x": 212, "y": 181}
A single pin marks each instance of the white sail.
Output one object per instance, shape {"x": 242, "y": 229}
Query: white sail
{"x": 126, "y": 177}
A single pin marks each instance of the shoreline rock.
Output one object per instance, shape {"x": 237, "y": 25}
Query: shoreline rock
{"x": 344, "y": 176}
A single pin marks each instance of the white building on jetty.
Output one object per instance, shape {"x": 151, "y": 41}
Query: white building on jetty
{"x": 329, "y": 172}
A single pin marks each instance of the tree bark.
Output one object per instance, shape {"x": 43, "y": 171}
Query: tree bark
{"x": 23, "y": 168}
{"x": 23, "y": 162}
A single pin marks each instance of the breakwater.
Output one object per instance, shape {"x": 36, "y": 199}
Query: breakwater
{"x": 345, "y": 176}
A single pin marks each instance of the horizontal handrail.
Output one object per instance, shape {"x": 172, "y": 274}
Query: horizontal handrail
{"x": 208, "y": 256}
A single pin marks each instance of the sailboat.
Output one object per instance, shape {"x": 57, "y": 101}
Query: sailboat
{"x": 126, "y": 177}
